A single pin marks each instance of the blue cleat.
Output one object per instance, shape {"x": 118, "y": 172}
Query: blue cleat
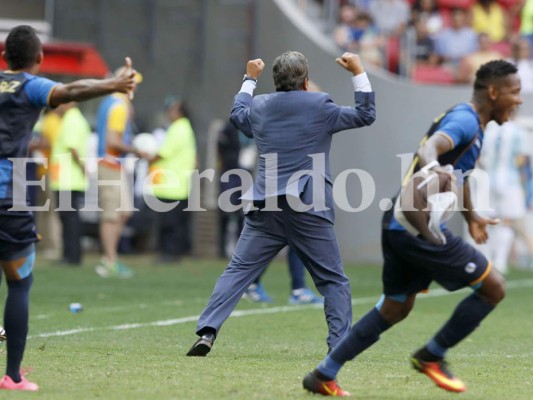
{"x": 304, "y": 296}
{"x": 256, "y": 294}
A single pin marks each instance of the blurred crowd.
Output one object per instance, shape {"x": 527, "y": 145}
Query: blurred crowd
{"x": 92, "y": 189}
{"x": 442, "y": 41}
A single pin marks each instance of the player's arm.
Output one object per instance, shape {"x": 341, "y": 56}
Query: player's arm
{"x": 240, "y": 111}
{"x": 431, "y": 149}
{"x": 477, "y": 225}
{"x": 86, "y": 89}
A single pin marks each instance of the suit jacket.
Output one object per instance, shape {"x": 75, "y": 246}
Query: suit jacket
{"x": 291, "y": 129}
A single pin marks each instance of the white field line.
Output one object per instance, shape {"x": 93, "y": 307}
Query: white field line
{"x": 256, "y": 311}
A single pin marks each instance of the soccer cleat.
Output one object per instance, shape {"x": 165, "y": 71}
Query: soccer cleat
{"x": 313, "y": 384}
{"x": 3, "y": 336}
{"x": 439, "y": 373}
{"x": 108, "y": 270}
{"x": 202, "y": 346}
{"x": 304, "y": 296}
{"x": 8, "y": 384}
{"x": 256, "y": 294}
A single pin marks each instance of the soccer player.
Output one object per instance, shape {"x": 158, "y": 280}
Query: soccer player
{"x": 411, "y": 263}
{"x": 22, "y": 97}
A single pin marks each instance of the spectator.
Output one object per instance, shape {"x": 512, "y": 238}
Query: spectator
{"x": 114, "y": 128}
{"x": 521, "y": 57}
{"x": 526, "y": 25}
{"x": 457, "y": 41}
{"x": 427, "y": 12}
{"x": 505, "y": 151}
{"x": 229, "y": 148}
{"x": 346, "y": 33}
{"x": 171, "y": 172}
{"x": 471, "y": 63}
{"x": 370, "y": 43}
{"x": 68, "y": 178}
{"x": 48, "y": 221}
{"x": 390, "y": 16}
{"x": 424, "y": 50}
{"x": 489, "y": 17}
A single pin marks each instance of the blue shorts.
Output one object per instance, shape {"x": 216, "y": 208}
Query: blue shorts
{"x": 411, "y": 263}
{"x": 17, "y": 227}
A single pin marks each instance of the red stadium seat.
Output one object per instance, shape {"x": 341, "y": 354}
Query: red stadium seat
{"x": 432, "y": 74}
{"x": 503, "y": 47}
{"x": 455, "y": 3}
{"x": 392, "y": 51}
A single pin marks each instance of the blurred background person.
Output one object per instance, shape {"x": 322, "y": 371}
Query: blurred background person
{"x": 457, "y": 41}
{"x": 47, "y": 222}
{"x": 488, "y": 16}
{"x": 68, "y": 181}
{"x": 505, "y": 151}
{"x": 390, "y": 16}
{"x": 521, "y": 57}
{"x": 471, "y": 63}
{"x": 424, "y": 49}
{"x": 427, "y": 12}
{"x": 346, "y": 33}
{"x": 230, "y": 222}
{"x": 171, "y": 171}
{"x": 114, "y": 129}
{"x": 370, "y": 43}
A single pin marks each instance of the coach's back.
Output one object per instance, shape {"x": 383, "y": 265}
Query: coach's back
{"x": 292, "y": 129}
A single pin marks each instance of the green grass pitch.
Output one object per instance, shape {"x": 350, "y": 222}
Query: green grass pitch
{"x": 130, "y": 341}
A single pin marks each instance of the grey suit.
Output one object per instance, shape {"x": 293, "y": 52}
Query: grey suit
{"x": 293, "y": 126}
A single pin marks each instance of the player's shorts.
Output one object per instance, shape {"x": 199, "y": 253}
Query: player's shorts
{"x": 411, "y": 263}
{"x": 112, "y": 197}
{"x": 17, "y": 227}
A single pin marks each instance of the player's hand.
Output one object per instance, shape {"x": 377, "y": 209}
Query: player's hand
{"x": 126, "y": 82}
{"x": 254, "y": 68}
{"x": 478, "y": 228}
{"x": 351, "y": 62}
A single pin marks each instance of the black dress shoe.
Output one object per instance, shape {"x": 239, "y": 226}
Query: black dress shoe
{"x": 202, "y": 346}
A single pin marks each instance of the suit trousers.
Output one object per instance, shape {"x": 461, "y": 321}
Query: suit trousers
{"x": 265, "y": 233}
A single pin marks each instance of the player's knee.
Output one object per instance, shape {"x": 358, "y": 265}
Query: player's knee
{"x": 20, "y": 284}
{"x": 498, "y": 292}
{"x": 395, "y": 312}
{"x": 493, "y": 288}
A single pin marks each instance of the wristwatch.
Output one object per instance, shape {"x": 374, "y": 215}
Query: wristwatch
{"x": 248, "y": 78}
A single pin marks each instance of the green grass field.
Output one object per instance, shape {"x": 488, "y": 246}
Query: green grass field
{"x": 130, "y": 341}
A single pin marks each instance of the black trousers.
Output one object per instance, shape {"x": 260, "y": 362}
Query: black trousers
{"x": 71, "y": 228}
{"x": 175, "y": 236}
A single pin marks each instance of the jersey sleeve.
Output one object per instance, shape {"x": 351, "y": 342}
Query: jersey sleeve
{"x": 118, "y": 118}
{"x": 459, "y": 128}
{"x": 39, "y": 90}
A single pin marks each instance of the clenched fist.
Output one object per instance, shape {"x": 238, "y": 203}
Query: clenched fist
{"x": 351, "y": 62}
{"x": 254, "y": 68}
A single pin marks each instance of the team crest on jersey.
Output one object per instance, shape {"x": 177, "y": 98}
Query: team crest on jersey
{"x": 470, "y": 267}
